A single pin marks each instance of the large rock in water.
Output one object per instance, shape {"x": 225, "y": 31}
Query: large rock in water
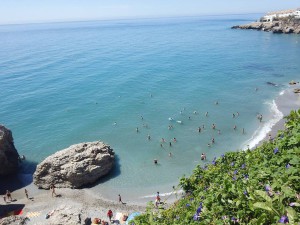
{"x": 76, "y": 166}
{"x": 9, "y": 157}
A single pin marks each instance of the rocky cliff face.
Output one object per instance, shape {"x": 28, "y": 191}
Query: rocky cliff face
{"x": 76, "y": 166}
{"x": 286, "y": 26}
{"x": 9, "y": 157}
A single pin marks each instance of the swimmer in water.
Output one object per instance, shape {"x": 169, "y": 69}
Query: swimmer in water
{"x": 206, "y": 114}
{"x": 149, "y": 137}
{"x": 212, "y": 140}
{"x": 208, "y": 145}
{"x": 199, "y": 129}
{"x": 115, "y": 123}
{"x": 174, "y": 139}
{"x": 213, "y": 126}
{"x": 170, "y": 154}
{"x": 203, "y": 126}
{"x": 170, "y": 144}
{"x": 219, "y": 131}
{"x": 137, "y": 129}
{"x": 234, "y": 127}
{"x": 233, "y": 115}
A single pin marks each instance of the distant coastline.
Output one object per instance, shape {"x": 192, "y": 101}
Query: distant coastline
{"x": 287, "y": 22}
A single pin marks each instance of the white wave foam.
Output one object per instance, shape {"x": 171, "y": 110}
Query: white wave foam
{"x": 163, "y": 194}
{"x": 265, "y": 128}
{"x": 282, "y": 92}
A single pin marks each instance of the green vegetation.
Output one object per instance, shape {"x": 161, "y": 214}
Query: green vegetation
{"x": 258, "y": 186}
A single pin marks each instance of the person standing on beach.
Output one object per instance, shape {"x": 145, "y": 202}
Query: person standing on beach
{"x": 109, "y": 214}
{"x": 52, "y": 188}
{"x": 157, "y": 200}
{"x": 26, "y": 193}
{"x": 120, "y": 199}
{"x": 8, "y": 195}
{"x": 4, "y": 198}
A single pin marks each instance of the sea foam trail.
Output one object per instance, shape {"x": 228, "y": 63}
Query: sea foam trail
{"x": 265, "y": 128}
{"x": 164, "y": 194}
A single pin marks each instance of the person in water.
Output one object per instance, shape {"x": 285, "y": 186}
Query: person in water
{"x": 203, "y": 156}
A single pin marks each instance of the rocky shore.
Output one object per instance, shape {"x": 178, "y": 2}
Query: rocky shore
{"x": 286, "y": 26}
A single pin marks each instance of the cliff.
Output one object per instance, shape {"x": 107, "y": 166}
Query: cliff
{"x": 9, "y": 157}
{"x": 286, "y": 25}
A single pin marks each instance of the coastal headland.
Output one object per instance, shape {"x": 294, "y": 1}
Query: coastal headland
{"x": 286, "y": 22}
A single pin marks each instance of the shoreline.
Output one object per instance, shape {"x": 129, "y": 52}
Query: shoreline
{"x": 92, "y": 205}
{"x": 286, "y": 101}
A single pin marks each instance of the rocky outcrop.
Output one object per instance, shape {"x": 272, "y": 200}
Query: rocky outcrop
{"x": 9, "y": 157}
{"x": 286, "y": 26}
{"x": 65, "y": 216}
{"x": 14, "y": 220}
{"x": 76, "y": 166}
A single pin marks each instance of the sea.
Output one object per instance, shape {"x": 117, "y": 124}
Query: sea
{"x": 124, "y": 82}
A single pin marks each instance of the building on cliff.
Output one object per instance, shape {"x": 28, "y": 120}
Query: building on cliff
{"x": 281, "y": 14}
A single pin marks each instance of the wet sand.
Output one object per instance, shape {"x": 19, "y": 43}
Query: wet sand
{"x": 286, "y": 102}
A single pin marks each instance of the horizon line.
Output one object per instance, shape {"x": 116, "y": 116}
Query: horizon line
{"x": 122, "y": 18}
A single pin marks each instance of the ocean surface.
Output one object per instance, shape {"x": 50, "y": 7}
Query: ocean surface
{"x": 66, "y": 83}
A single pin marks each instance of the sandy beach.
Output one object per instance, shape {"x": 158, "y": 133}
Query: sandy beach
{"x": 68, "y": 201}
{"x": 88, "y": 204}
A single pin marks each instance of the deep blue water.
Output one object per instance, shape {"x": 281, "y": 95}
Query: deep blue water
{"x": 65, "y": 83}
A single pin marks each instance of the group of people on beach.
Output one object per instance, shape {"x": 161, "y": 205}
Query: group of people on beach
{"x": 7, "y": 198}
{"x": 102, "y": 221}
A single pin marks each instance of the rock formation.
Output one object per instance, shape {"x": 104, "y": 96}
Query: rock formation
{"x": 9, "y": 157}
{"x": 76, "y": 166}
{"x": 14, "y": 220}
{"x": 286, "y": 26}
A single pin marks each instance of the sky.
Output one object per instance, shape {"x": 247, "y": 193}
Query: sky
{"x": 31, "y": 11}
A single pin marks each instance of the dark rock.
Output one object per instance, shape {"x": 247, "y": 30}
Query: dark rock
{"x": 9, "y": 157}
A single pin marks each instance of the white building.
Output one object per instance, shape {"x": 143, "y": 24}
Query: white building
{"x": 280, "y": 14}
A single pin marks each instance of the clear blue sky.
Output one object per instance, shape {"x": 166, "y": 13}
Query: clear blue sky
{"x": 24, "y": 11}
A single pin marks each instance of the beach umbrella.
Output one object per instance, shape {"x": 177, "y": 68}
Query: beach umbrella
{"x": 131, "y": 217}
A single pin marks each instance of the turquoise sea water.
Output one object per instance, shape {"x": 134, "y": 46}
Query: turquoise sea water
{"x": 66, "y": 83}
